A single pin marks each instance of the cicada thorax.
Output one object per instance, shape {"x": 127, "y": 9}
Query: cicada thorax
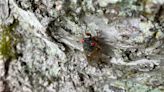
{"x": 89, "y": 45}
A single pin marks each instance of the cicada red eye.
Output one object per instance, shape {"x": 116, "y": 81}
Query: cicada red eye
{"x": 93, "y": 44}
{"x": 82, "y": 41}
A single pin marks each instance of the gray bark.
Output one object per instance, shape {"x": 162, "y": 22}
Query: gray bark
{"x": 52, "y": 58}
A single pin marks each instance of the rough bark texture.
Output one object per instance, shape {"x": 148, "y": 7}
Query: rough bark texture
{"x": 48, "y": 56}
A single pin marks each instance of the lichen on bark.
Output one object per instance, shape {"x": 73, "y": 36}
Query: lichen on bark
{"x": 8, "y": 41}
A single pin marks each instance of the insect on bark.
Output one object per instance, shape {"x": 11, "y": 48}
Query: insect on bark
{"x": 92, "y": 49}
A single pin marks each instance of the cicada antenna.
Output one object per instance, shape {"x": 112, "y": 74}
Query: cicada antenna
{"x": 87, "y": 33}
{"x": 84, "y": 29}
{"x": 98, "y": 33}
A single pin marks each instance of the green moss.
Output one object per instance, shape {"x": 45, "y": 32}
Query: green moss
{"x": 8, "y": 41}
